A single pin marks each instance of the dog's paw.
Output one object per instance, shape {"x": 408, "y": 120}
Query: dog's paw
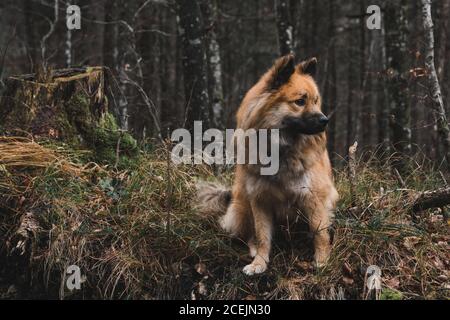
{"x": 320, "y": 260}
{"x": 254, "y": 268}
{"x": 318, "y": 264}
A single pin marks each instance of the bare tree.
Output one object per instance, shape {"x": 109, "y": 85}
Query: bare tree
{"x": 110, "y": 34}
{"x": 330, "y": 91}
{"x": 434, "y": 87}
{"x": 191, "y": 32}
{"x": 444, "y": 44}
{"x": 164, "y": 80}
{"x": 383, "y": 107}
{"x": 444, "y": 41}
{"x": 214, "y": 62}
{"x": 51, "y": 30}
{"x": 69, "y": 45}
{"x": 397, "y": 53}
{"x": 351, "y": 136}
{"x": 361, "y": 111}
{"x": 29, "y": 9}
{"x": 284, "y": 25}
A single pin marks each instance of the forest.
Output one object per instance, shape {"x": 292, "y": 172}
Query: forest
{"x": 91, "y": 92}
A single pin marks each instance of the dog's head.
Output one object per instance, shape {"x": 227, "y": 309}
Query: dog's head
{"x": 292, "y": 101}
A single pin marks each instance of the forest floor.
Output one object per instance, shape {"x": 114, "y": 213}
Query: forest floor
{"x": 135, "y": 235}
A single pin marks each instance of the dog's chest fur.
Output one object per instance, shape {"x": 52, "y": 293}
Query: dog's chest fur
{"x": 287, "y": 185}
{"x": 288, "y": 188}
{"x": 284, "y": 196}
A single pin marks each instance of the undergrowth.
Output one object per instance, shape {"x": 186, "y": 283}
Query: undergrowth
{"x": 135, "y": 235}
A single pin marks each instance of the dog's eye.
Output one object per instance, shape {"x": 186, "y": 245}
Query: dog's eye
{"x": 301, "y": 102}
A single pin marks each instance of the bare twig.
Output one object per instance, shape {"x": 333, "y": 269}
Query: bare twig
{"x": 118, "y": 149}
{"x": 149, "y": 103}
{"x": 50, "y": 31}
{"x": 399, "y": 178}
{"x": 352, "y": 170}
{"x": 169, "y": 187}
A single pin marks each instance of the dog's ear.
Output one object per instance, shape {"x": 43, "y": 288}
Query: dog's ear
{"x": 281, "y": 71}
{"x": 308, "y": 67}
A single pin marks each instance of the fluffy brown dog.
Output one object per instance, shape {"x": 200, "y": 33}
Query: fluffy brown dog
{"x": 285, "y": 98}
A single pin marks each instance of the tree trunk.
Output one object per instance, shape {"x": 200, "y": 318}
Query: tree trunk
{"x": 110, "y": 35}
{"x": 148, "y": 46}
{"x": 284, "y": 26}
{"x": 351, "y": 136}
{"x": 214, "y": 63}
{"x": 432, "y": 199}
{"x": 68, "y": 50}
{"x": 397, "y": 56}
{"x": 361, "y": 110}
{"x": 434, "y": 87}
{"x": 191, "y": 32}
{"x": 444, "y": 43}
{"x": 383, "y": 106}
{"x": 66, "y": 105}
{"x": 332, "y": 98}
{"x": 444, "y": 69}
{"x": 44, "y": 104}
{"x": 31, "y": 41}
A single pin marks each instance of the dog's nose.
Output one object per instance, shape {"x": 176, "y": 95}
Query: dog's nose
{"x": 323, "y": 120}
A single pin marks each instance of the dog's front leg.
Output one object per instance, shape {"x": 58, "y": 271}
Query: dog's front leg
{"x": 263, "y": 234}
{"x": 319, "y": 222}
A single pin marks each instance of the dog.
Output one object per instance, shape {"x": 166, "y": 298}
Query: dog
{"x": 285, "y": 98}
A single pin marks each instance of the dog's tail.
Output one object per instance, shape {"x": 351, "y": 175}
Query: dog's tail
{"x": 213, "y": 199}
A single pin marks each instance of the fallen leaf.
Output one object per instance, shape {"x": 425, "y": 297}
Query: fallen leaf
{"x": 347, "y": 269}
{"x": 347, "y": 280}
{"x": 200, "y": 268}
{"x": 304, "y": 265}
{"x": 393, "y": 283}
{"x": 410, "y": 242}
{"x": 437, "y": 218}
{"x": 202, "y": 289}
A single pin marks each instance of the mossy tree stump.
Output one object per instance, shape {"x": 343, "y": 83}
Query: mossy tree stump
{"x": 68, "y": 105}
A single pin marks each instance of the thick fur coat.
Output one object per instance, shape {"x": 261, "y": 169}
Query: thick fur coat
{"x": 285, "y": 98}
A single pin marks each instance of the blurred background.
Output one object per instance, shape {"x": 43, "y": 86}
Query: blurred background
{"x": 194, "y": 60}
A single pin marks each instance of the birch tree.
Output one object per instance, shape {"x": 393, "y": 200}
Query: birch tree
{"x": 435, "y": 93}
{"x": 191, "y": 32}
{"x": 68, "y": 50}
{"x": 214, "y": 63}
{"x": 284, "y": 26}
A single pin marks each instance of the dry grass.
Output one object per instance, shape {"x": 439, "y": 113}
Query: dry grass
{"x": 23, "y": 153}
{"x": 134, "y": 234}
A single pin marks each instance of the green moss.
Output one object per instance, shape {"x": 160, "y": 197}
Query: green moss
{"x": 389, "y": 294}
{"x": 76, "y": 119}
{"x": 106, "y": 137}
{"x": 79, "y": 114}
{"x": 108, "y": 121}
{"x": 101, "y": 135}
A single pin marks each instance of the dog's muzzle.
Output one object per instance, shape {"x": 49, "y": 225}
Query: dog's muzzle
{"x": 311, "y": 123}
